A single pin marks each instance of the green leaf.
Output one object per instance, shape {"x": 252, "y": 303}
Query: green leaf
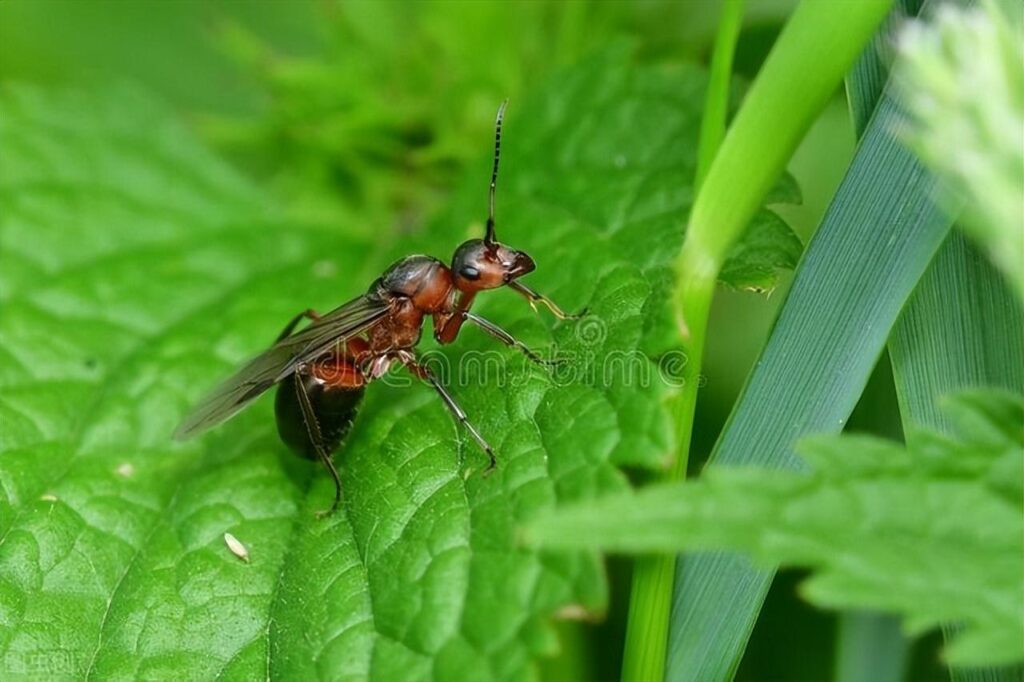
{"x": 934, "y": 531}
{"x": 767, "y": 247}
{"x": 138, "y": 270}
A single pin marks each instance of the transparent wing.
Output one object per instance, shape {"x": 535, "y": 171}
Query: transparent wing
{"x": 280, "y": 360}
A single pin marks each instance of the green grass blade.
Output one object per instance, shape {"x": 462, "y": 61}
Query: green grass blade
{"x": 855, "y": 278}
{"x": 867, "y": 79}
{"x": 961, "y": 328}
{"x": 870, "y": 647}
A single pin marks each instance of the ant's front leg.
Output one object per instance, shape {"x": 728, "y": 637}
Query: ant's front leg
{"x": 423, "y": 372}
{"x": 290, "y": 327}
{"x": 509, "y": 340}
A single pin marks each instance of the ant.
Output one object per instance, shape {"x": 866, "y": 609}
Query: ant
{"x": 322, "y": 370}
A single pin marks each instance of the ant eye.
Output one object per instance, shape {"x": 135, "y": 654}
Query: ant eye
{"x": 470, "y": 273}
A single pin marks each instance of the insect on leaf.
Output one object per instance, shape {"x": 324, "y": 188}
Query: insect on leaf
{"x": 138, "y": 270}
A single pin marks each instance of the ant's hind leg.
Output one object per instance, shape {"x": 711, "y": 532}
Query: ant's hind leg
{"x": 317, "y": 439}
{"x": 423, "y": 372}
{"x": 290, "y": 327}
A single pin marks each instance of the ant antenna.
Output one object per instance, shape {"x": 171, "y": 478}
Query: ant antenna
{"x": 489, "y": 236}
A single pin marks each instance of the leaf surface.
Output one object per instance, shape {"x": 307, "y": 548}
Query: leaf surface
{"x": 138, "y": 270}
{"x": 934, "y": 531}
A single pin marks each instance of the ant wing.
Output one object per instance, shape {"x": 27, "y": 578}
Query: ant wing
{"x": 280, "y": 360}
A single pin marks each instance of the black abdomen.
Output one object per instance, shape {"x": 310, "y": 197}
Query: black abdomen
{"x": 334, "y": 409}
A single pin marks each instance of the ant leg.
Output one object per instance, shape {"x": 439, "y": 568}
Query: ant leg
{"x": 290, "y": 327}
{"x": 507, "y": 339}
{"x": 424, "y": 373}
{"x": 317, "y": 439}
{"x": 534, "y": 298}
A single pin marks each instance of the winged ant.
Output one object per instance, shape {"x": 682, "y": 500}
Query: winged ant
{"x": 322, "y": 370}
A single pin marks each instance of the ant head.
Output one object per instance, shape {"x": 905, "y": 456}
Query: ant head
{"x": 485, "y": 263}
{"x": 478, "y": 264}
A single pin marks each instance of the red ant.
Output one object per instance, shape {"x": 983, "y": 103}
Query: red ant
{"x": 322, "y": 370}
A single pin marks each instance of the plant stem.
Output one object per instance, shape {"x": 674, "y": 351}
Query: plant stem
{"x": 813, "y": 53}
{"x": 819, "y": 43}
{"x": 651, "y": 593}
{"x": 716, "y": 101}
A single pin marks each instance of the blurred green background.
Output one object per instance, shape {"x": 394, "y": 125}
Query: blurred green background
{"x": 372, "y": 110}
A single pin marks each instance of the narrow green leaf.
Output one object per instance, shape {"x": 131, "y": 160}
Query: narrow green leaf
{"x": 933, "y": 531}
{"x": 961, "y": 329}
{"x": 870, "y": 646}
{"x": 867, "y": 79}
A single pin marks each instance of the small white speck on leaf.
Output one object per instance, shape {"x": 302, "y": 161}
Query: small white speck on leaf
{"x": 48, "y": 497}
{"x": 574, "y": 612}
{"x": 126, "y": 470}
{"x": 620, "y": 161}
{"x": 236, "y": 547}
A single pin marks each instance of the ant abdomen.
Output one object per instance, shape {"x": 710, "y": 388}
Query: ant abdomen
{"x": 334, "y": 409}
